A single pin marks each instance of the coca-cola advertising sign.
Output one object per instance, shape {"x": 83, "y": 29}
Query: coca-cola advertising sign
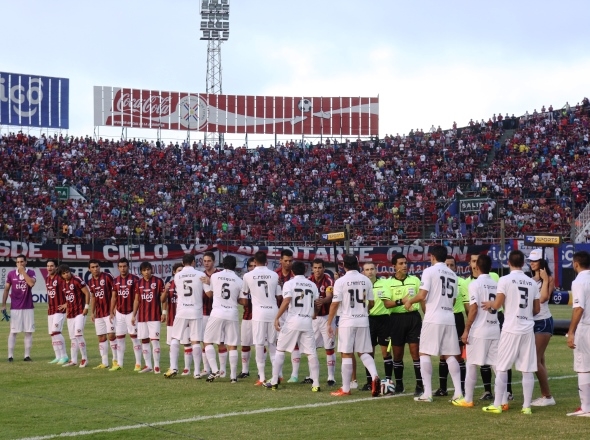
{"x": 121, "y": 107}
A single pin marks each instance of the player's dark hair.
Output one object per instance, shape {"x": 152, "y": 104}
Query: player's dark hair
{"x": 21, "y": 256}
{"x": 123, "y": 261}
{"x": 51, "y": 260}
{"x": 319, "y": 261}
{"x": 188, "y": 259}
{"x": 298, "y": 268}
{"x": 91, "y": 261}
{"x": 260, "y": 257}
{"x": 583, "y": 259}
{"x": 350, "y": 262}
{"x": 250, "y": 261}
{"x": 209, "y": 254}
{"x": 484, "y": 263}
{"x": 145, "y": 265}
{"x": 516, "y": 258}
{"x": 397, "y": 256}
{"x": 543, "y": 265}
{"x": 450, "y": 257}
{"x": 175, "y": 267}
{"x": 286, "y": 253}
{"x": 439, "y": 253}
{"x": 63, "y": 268}
{"x": 229, "y": 262}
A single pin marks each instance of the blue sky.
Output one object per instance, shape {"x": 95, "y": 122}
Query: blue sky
{"x": 430, "y": 62}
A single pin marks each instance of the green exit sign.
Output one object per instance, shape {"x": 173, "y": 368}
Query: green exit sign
{"x": 63, "y": 192}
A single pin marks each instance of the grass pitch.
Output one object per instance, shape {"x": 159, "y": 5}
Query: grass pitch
{"x": 44, "y": 401}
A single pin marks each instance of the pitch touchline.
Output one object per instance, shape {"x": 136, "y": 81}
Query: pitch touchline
{"x": 231, "y": 414}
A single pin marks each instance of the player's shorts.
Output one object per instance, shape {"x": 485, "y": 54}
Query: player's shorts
{"x": 405, "y": 328}
{"x": 582, "y": 350}
{"x": 205, "y": 321}
{"x": 246, "y": 333}
{"x": 460, "y": 325}
{"x": 289, "y": 338}
{"x": 123, "y": 325}
{"x": 439, "y": 339}
{"x": 149, "y": 329}
{"x": 104, "y": 326}
{"x": 544, "y": 326}
{"x": 76, "y": 326}
{"x": 354, "y": 340}
{"x": 482, "y": 351}
{"x": 184, "y": 340}
{"x": 320, "y": 330}
{"x": 55, "y": 322}
{"x": 22, "y": 320}
{"x": 380, "y": 329}
{"x": 184, "y": 327}
{"x": 519, "y": 350}
{"x": 263, "y": 332}
{"x": 222, "y": 330}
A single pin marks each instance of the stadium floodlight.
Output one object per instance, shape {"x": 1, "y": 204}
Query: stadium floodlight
{"x": 215, "y": 20}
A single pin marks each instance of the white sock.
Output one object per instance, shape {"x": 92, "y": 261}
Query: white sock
{"x": 114, "y": 350}
{"x": 82, "y": 347}
{"x": 369, "y": 364}
{"x": 346, "y": 374}
{"x": 137, "y": 350}
{"x": 174, "y": 349}
{"x": 11, "y": 344}
{"x": 584, "y": 391}
{"x": 223, "y": 361}
{"x": 146, "y": 350}
{"x": 470, "y": 381}
{"x": 528, "y": 384}
{"x": 455, "y": 373}
{"x": 61, "y": 345}
{"x": 74, "y": 351}
{"x": 272, "y": 349}
{"x": 233, "y": 364}
{"x": 295, "y": 362}
{"x": 260, "y": 362}
{"x": 426, "y": 370}
{"x": 103, "y": 349}
{"x": 188, "y": 359}
{"x": 331, "y": 362}
{"x": 28, "y": 343}
{"x": 246, "y": 361}
{"x": 277, "y": 366}
{"x": 314, "y": 369}
{"x": 500, "y": 387}
{"x": 197, "y": 355}
{"x": 206, "y": 366}
{"x": 120, "y": 350}
{"x": 55, "y": 346}
{"x": 211, "y": 357}
{"x": 156, "y": 347}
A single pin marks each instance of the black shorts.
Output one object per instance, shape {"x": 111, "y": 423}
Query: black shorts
{"x": 460, "y": 323}
{"x": 380, "y": 328}
{"x": 405, "y": 328}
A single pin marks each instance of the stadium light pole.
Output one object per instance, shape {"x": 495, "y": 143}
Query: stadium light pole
{"x": 215, "y": 30}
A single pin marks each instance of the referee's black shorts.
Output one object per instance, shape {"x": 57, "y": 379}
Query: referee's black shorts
{"x": 460, "y": 324}
{"x": 379, "y": 326}
{"x": 405, "y": 328}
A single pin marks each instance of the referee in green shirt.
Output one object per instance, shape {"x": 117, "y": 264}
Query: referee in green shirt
{"x": 405, "y": 325}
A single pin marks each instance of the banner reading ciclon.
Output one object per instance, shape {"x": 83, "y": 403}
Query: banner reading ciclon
{"x": 121, "y": 107}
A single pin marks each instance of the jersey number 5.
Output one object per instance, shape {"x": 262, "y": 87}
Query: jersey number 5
{"x": 187, "y": 287}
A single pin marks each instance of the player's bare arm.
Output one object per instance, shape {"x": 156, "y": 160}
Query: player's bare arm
{"x": 410, "y": 301}
{"x": 492, "y": 306}
{"x": 471, "y": 315}
{"x": 576, "y": 317}
{"x": 164, "y": 304}
{"x": 135, "y": 308}
{"x": 92, "y": 307}
{"x": 282, "y": 309}
{"x": 86, "y": 293}
{"x": 536, "y": 307}
{"x": 333, "y": 310}
{"x": 113, "y": 305}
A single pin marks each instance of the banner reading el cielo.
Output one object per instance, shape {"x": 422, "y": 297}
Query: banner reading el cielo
{"x": 123, "y": 107}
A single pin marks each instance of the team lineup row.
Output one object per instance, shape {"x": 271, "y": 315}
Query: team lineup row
{"x": 285, "y": 311}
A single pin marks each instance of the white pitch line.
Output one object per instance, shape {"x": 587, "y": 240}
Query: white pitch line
{"x": 231, "y": 414}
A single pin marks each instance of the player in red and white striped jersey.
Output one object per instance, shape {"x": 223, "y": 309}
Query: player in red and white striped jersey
{"x": 101, "y": 287}
{"x": 56, "y": 313}
{"x": 147, "y": 313}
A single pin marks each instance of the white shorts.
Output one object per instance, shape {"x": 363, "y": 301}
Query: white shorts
{"x": 439, "y": 339}
{"x": 150, "y": 329}
{"x": 220, "y": 330}
{"x": 205, "y": 322}
{"x": 354, "y": 340}
{"x": 288, "y": 339}
{"x": 183, "y": 340}
{"x": 55, "y": 322}
{"x": 191, "y": 328}
{"x": 519, "y": 350}
{"x": 76, "y": 326}
{"x": 320, "y": 330}
{"x": 22, "y": 320}
{"x": 482, "y": 351}
{"x": 582, "y": 350}
{"x": 104, "y": 326}
{"x": 123, "y": 325}
{"x": 263, "y": 332}
{"x": 246, "y": 333}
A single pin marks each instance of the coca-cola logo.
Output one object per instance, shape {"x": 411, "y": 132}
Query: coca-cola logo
{"x": 152, "y": 106}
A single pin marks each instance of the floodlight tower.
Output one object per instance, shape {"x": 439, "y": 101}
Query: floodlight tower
{"x": 215, "y": 28}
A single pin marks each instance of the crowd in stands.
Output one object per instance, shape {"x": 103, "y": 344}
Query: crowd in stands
{"x": 401, "y": 189}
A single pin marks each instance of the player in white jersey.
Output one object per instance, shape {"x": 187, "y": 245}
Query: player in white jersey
{"x": 223, "y": 325}
{"x": 299, "y": 295}
{"x": 189, "y": 313}
{"x": 520, "y": 297}
{"x": 262, "y": 284}
{"x": 578, "y": 336}
{"x": 438, "y": 337}
{"x": 482, "y": 330}
{"x": 353, "y": 298}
